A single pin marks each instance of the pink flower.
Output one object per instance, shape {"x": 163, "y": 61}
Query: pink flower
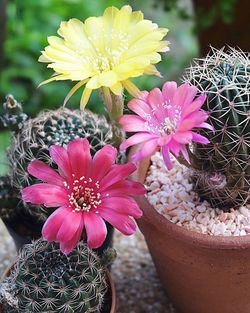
{"x": 87, "y": 192}
{"x": 165, "y": 119}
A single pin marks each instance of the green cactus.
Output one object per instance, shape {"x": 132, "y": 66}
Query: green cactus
{"x": 48, "y": 128}
{"x": 9, "y": 199}
{"x": 13, "y": 117}
{"x": 46, "y": 280}
{"x": 222, "y": 168}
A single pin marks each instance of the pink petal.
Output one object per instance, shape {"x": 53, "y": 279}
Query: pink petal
{"x": 70, "y": 226}
{"x": 206, "y": 125}
{"x": 79, "y": 157}
{"x": 198, "y": 117}
{"x": 135, "y": 139}
{"x": 144, "y": 95}
{"x": 43, "y": 172}
{"x": 124, "y": 188}
{"x": 166, "y": 157}
{"x": 199, "y": 138}
{"x": 122, "y": 205}
{"x": 168, "y": 91}
{"x": 47, "y": 194}
{"x": 102, "y": 161}
{"x": 117, "y": 173}
{"x": 186, "y": 124}
{"x": 132, "y": 123}
{"x": 184, "y": 95}
{"x": 174, "y": 147}
{"x": 54, "y": 222}
{"x": 183, "y": 137}
{"x": 164, "y": 140}
{"x": 140, "y": 107}
{"x": 146, "y": 150}
{"x": 68, "y": 246}
{"x": 185, "y": 153}
{"x": 60, "y": 157}
{"x": 120, "y": 221}
{"x": 194, "y": 106}
{"x": 96, "y": 229}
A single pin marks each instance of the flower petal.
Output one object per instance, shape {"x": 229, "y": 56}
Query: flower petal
{"x": 120, "y": 221}
{"x": 96, "y": 229}
{"x": 140, "y": 107}
{"x": 199, "y": 138}
{"x": 135, "y": 139}
{"x": 184, "y": 95}
{"x": 183, "y": 137}
{"x": 43, "y": 172}
{"x": 194, "y": 106}
{"x": 122, "y": 205}
{"x": 132, "y": 123}
{"x": 124, "y": 188}
{"x": 47, "y": 194}
{"x": 168, "y": 91}
{"x": 146, "y": 150}
{"x": 54, "y": 222}
{"x": 70, "y": 226}
{"x": 79, "y": 157}
{"x": 117, "y": 172}
{"x": 102, "y": 161}
{"x": 166, "y": 157}
{"x": 60, "y": 156}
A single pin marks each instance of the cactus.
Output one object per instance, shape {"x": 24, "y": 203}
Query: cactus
{"x": 9, "y": 199}
{"x": 49, "y": 128}
{"x": 13, "y": 117}
{"x": 46, "y": 280}
{"x": 222, "y": 168}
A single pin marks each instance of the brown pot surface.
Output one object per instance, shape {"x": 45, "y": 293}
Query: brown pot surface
{"x": 110, "y": 282}
{"x": 200, "y": 273}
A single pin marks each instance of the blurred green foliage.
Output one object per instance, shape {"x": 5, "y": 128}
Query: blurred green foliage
{"x": 29, "y": 23}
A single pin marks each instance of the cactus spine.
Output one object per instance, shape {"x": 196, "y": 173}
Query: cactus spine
{"x": 46, "y": 280}
{"x": 222, "y": 167}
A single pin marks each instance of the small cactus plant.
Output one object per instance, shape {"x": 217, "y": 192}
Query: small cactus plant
{"x": 222, "y": 168}
{"x": 46, "y": 280}
{"x": 50, "y": 128}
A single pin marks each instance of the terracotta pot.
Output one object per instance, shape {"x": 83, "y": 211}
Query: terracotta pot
{"x": 200, "y": 273}
{"x": 110, "y": 294}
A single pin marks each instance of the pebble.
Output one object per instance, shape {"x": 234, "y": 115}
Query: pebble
{"x": 172, "y": 195}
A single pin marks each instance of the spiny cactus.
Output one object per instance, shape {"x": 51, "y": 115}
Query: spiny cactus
{"x": 9, "y": 199}
{"x": 46, "y": 280}
{"x": 222, "y": 173}
{"x": 13, "y": 116}
{"x": 49, "y": 128}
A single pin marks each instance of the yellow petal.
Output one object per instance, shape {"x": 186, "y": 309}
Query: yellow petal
{"x": 43, "y": 58}
{"x": 56, "y": 77}
{"x": 117, "y": 89}
{"x": 131, "y": 88}
{"x": 108, "y": 78}
{"x": 85, "y": 97}
{"x": 73, "y": 90}
{"x": 152, "y": 70}
{"x": 93, "y": 82}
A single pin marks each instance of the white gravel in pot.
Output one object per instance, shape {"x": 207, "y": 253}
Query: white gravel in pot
{"x": 172, "y": 195}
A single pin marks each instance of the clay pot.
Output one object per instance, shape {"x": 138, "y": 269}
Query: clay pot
{"x": 110, "y": 306}
{"x": 200, "y": 273}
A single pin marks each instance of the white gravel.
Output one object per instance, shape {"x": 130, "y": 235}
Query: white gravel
{"x": 172, "y": 195}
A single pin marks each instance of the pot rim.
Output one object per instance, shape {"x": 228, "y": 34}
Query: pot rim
{"x": 111, "y": 284}
{"x": 151, "y": 216}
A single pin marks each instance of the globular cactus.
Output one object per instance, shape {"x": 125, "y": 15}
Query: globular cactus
{"x": 9, "y": 199}
{"x": 13, "y": 117}
{"x": 46, "y": 280}
{"x": 50, "y": 128}
{"x": 222, "y": 168}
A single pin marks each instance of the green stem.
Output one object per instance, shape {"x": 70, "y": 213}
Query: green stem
{"x": 115, "y": 106}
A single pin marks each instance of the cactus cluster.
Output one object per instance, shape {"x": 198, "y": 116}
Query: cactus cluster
{"x": 222, "y": 168}
{"x": 46, "y": 280}
{"x": 49, "y": 128}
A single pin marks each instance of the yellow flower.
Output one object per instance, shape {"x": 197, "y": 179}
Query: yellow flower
{"x": 104, "y": 52}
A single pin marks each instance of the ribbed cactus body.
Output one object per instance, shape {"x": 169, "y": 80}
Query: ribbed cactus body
{"x": 223, "y": 167}
{"x": 9, "y": 199}
{"x": 50, "y": 128}
{"x": 46, "y": 280}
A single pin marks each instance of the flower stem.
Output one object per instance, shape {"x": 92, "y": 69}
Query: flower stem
{"x": 114, "y": 105}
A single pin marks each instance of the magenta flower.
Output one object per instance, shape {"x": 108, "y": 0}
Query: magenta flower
{"x": 165, "y": 119}
{"x": 87, "y": 192}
